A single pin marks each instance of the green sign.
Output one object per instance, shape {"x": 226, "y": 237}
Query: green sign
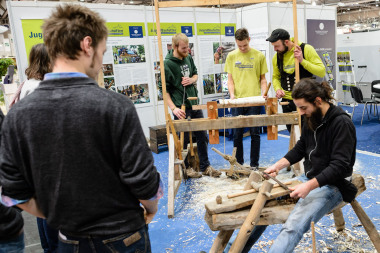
{"x": 32, "y": 32}
{"x": 121, "y": 29}
{"x": 167, "y": 29}
{"x": 213, "y": 28}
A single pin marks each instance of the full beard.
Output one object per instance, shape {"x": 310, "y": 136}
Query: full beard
{"x": 314, "y": 120}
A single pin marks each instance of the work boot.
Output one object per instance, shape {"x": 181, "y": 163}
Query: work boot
{"x": 191, "y": 173}
{"x": 210, "y": 171}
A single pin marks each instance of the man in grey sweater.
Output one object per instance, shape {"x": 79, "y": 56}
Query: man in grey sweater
{"x": 76, "y": 153}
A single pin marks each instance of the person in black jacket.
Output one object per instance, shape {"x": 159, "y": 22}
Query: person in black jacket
{"x": 328, "y": 145}
{"x": 76, "y": 153}
{"x": 11, "y": 225}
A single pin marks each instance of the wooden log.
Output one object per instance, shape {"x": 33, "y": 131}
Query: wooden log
{"x": 367, "y": 224}
{"x": 222, "y": 106}
{"x": 233, "y": 204}
{"x": 235, "y": 122}
{"x": 252, "y": 219}
{"x": 233, "y": 220}
{"x": 221, "y": 241}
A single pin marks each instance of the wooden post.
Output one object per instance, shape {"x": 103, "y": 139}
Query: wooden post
{"x": 367, "y": 224}
{"x": 252, "y": 218}
{"x": 339, "y": 219}
{"x": 271, "y": 108}
{"x": 171, "y": 177}
{"x": 162, "y": 68}
{"x": 221, "y": 241}
{"x": 212, "y": 113}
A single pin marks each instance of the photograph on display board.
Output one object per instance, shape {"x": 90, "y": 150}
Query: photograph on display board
{"x": 157, "y": 66}
{"x": 107, "y": 70}
{"x": 208, "y": 84}
{"x": 138, "y": 93}
{"x": 109, "y": 82}
{"x": 224, "y": 79}
{"x": 157, "y": 77}
{"x": 128, "y": 54}
{"x": 218, "y": 83}
{"x": 221, "y": 51}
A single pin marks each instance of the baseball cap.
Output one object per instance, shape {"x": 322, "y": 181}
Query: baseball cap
{"x": 279, "y": 34}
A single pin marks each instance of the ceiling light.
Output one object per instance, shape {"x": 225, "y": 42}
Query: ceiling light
{"x": 360, "y": 9}
{"x": 344, "y": 12}
{"x": 131, "y": 2}
{"x": 377, "y": 5}
{"x": 348, "y": 9}
{"x": 313, "y": 3}
{"x": 341, "y": 4}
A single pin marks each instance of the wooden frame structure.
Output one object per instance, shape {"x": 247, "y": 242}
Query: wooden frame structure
{"x": 175, "y": 147}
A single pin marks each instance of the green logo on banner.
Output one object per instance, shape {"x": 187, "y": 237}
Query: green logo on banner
{"x": 213, "y": 28}
{"x": 167, "y": 29}
{"x": 121, "y": 29}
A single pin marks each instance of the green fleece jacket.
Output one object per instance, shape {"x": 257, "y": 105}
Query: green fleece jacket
{"x": 175, "y": 69}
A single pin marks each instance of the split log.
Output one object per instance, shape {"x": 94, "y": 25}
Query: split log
{"x": 273, "y": 213}
{"x": 229, "y": 205}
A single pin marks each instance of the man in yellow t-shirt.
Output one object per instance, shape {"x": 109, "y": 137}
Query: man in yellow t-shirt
{"x": 283, "y": 78}
{"x": 246, "y": 68}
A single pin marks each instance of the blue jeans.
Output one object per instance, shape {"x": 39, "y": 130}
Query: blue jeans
{"x": 201, "y": 137}
{"x": 255, "y": 136}
{"x": 317, "y": 203}
{"x": 48, "y": 236}
{"x": 15, "y": 245}
{"x": 132, "y": 242}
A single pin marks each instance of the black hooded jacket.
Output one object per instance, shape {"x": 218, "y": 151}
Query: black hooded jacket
{"x": 329, "y": 152}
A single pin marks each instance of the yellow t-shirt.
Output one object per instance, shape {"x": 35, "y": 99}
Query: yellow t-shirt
{"x": 246, "y": 69}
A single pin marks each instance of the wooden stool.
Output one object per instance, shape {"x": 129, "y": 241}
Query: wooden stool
{"x": 157, "y": 137}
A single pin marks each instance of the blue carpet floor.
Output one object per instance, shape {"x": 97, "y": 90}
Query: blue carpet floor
{"x": 188, "y": 232}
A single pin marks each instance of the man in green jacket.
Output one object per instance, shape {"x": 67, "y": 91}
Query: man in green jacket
{"x": 181, "y": 83}
{"x": 283, "y": 61}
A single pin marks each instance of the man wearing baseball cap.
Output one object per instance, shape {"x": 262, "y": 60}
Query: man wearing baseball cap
{"x": 283, "y": 61}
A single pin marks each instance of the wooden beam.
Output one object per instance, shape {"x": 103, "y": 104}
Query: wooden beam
{"x": 233, "y": 220}
{"x": 195, "y": 3}
{"x": 236, "y": 122}
{"x": 162, "y": 67}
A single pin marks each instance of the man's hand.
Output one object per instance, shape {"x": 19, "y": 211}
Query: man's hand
{"x": 232, "y": 96}
{"x": 280, "y": 93}
{"x": 298, "y": 53}
{"x": 179, "y": 113}
{"x": 302, "y": 190}
{"x": 187, "y": 81}
{"x": 150, "y": 209}
{"x": 271, "y": 170}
